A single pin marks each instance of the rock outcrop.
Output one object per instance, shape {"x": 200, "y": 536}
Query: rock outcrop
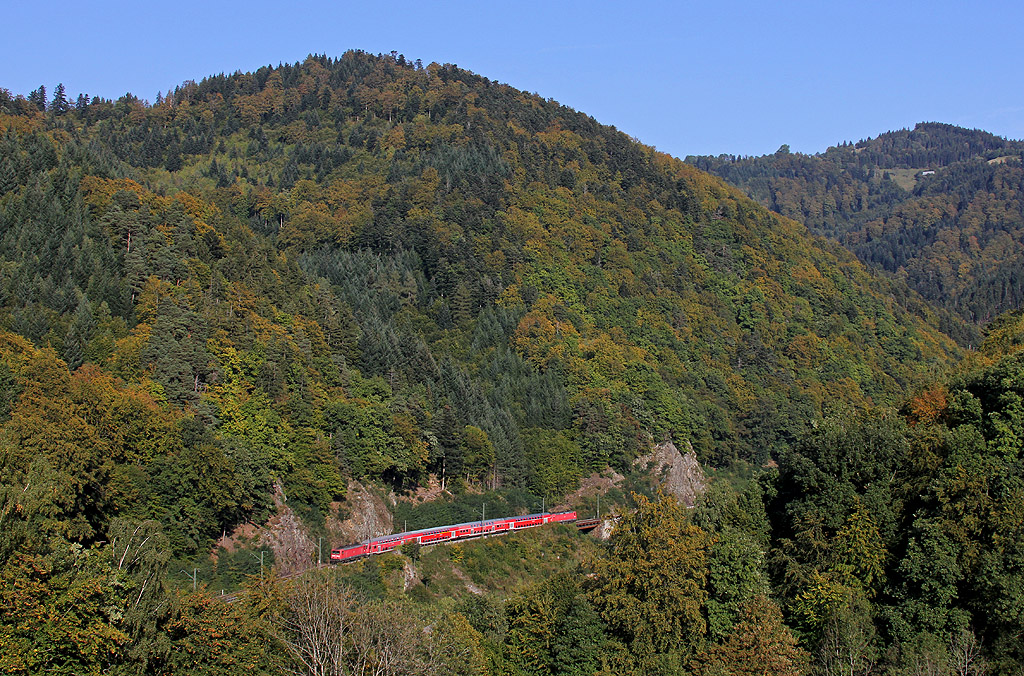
{"x": 365, "y": 516}
{"x": 677, "y": 473}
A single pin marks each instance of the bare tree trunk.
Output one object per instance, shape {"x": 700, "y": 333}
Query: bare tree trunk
{"x": 965, "y": 657}
{"x": 846, "y": 649}
{"x": 385, "y": 642}
{"x": 315, "y": 626}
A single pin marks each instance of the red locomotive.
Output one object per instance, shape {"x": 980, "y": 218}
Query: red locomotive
{"x": 460, "y": 531}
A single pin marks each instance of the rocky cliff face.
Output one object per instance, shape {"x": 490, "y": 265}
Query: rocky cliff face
{"x": 294, "y": 549}
{"x": 365, "y": 516}
{"x": 677, "y": 473}
{"x": 361, "y": 516}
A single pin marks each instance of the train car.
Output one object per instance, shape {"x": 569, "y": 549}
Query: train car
{"x": 459, "y": 531}
{"x": 348, "y": 553}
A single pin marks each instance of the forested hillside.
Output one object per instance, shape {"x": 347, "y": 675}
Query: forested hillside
{"x": 896, "y": 536}
{"x": 939, "y": 206}
{"x": 265, "y": 285}
{"x": 884, "y": 542}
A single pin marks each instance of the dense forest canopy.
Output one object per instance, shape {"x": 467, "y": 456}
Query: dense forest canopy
{"x": 430, "y": 250}
{"x": 266, "y": 285}
{"x": 939, "y": 206}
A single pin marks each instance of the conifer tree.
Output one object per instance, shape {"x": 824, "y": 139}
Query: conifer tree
{"x": 60, "y": 104}
{"x": 37, "y": 97}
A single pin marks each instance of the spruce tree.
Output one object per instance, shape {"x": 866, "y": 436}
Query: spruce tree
{"x": 38, "y": 98}
{"x": 60, "y": 103}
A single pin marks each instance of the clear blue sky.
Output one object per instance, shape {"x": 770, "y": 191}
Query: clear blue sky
{"x": 701, "y": 77}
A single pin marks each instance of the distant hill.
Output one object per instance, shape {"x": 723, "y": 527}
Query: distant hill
{"x": 939, "y": 206}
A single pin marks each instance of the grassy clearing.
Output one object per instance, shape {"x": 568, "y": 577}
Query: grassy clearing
{"x": 904, "y": 178}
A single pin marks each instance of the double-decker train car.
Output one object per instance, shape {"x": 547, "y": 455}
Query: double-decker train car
{"x": 459, "y": 531}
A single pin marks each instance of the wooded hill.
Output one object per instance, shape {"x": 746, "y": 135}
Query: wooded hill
{"x": 265, "y": 284}
{"x": 367, "y": 268}
{"x": 939, "y": 206}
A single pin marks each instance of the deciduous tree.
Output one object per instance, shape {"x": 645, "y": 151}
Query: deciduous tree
{"x": 650, "y": 588}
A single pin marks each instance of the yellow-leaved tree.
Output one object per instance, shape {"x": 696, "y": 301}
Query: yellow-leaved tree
{"x": 650, "y": 588}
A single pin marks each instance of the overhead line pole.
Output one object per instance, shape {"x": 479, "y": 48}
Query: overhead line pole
{"x": 261, "y": 562}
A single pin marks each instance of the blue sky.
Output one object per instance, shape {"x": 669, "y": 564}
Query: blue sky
{"x": 686, "y": 77}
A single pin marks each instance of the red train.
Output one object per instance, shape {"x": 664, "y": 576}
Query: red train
{"x": 459, "y": 531}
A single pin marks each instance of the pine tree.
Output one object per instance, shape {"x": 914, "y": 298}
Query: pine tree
{"x": 462, "y": 304}
{"x": 38, "y": 98}
{"x": 60, "y": 103}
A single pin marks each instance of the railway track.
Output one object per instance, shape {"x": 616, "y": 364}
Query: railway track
{"x": 583, "y": 525}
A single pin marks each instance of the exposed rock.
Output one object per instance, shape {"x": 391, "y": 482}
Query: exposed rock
{"x": 597, "y": 483}
{"x": 604, "y": 531}
{"x": 367, "y": 516}
{"x": 473, "y": 588}
{"x": 427, "y": 493}
{"x": 294, "y": 550}
{"x": 242, "y": 536}
{"x": 678, "y": 474}
{"x": 410, "y": 576}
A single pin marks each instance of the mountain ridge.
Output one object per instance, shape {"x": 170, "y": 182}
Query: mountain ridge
{"x": 938, "y": 206}
{"x": 361, "y": 268}
{"x": 272, "y": 288}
